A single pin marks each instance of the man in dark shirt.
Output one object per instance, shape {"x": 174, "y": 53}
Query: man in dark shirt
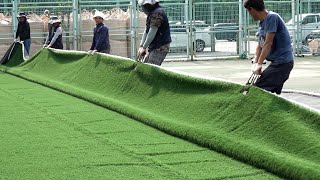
{"x": 156, "y": 36}
{"x": 54, "y": 39}
{"x": 100, "y": 41}
{"x": 23, "y": 32}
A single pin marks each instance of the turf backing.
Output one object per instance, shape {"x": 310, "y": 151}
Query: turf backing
{"x": 17, "y": 52}
{"x": 46, "y": 134}
{"x": 259, "y": 128}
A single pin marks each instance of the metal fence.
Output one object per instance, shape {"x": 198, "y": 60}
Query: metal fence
{"x": 200, "y": 29}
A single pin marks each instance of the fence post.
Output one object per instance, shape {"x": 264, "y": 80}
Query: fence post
{"x": 191, "y": 33}
{"x": 297, "y": 24}
{"x": 309, "y": 6}
{"x": 213, "y": 42}
{"x": 75, "y": 24}
{"x": 187, "y": 20}
{"x": 294, "y": 34}
{"x": 14, "y": 16}
{"x": 240, "y": 33}
{"x": 133, "y": 23}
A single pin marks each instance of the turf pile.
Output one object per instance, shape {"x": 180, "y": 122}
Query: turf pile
{"x": 259, "y": 128}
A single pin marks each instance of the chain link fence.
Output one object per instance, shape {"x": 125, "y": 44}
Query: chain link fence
{"x": 200, "y": 29}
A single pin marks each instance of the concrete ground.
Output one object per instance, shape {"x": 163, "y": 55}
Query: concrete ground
{"x": 304, "y": 77}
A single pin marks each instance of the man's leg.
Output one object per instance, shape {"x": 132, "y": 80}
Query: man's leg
{"x": 157, "y": 56}
{"x": 27, "y": 44}
{"x": 274, "y": 76}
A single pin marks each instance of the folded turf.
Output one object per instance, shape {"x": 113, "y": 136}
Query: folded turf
{"x": 259, "y": 128}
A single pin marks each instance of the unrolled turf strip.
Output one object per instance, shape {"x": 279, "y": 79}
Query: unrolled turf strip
{"x": 46, "y": 134}
{"x": 260, "y": 129}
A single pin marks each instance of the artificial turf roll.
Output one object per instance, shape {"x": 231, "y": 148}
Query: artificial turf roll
{"x": 259, "y": 128}
{"x": 14, "y": 50}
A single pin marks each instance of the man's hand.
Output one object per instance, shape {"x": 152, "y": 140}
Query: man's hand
{"x": 141, "y": 51}
{"x": 45, "y": 45}
{"x": 15, "y": 40}
{"x": 256, "y": 68}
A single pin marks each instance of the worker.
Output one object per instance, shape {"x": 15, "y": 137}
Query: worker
{"x": 23, "y": 33}
{"x": 100, "y": 42}
{"x": 54, "y": 39}
{"x": 156, "y": 37}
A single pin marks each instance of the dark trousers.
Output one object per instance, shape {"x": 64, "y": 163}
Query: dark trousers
{"x": 274, "y": 76}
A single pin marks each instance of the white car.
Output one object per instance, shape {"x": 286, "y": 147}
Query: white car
{"x": 308, "y": 22}
{"x": 180, "y": 38}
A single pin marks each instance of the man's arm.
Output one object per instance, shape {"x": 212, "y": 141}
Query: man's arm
{"x": 93, "y": 43}
{"x": 28, "y": 30}
{"x": 155, "y": 23}
{"x": 258, "y": 53}
{"x": 17, "y": 33}
{"x": 150, "y": 36}
{"x": 56, "y": 35}
{"x": 144, "y": 37}
{"x": 266, "y": 48}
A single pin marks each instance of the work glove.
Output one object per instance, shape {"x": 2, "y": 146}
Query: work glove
{"x": 45, "y": 45}
{"x": 256, "y": 68}
{"x": 254, "y": 64}
{"x": 141, "y": 51}
{"x": 15, "y": 40}
{"x": 94, "y": 51}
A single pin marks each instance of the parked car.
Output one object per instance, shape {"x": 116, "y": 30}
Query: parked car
{"x": 196, "y": 23}
{"x": 315, "y": 34}
{"x": 224, "y": 31}
{"x": 308, "y": 23}
{"x": 180, "y": 38}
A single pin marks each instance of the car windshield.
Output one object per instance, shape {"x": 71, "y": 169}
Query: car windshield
{"x": 301, "y": 17}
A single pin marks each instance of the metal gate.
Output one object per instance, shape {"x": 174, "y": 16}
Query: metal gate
{"x": 200, "y": 29}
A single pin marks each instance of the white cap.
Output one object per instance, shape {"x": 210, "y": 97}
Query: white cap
{"x": 143, "y": 2}
{"x": 98, "y": 14}
{"x": 53, "y": 18}
{"x": 56, "y": 21}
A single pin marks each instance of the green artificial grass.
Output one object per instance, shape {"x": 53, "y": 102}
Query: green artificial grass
{"x": 46, "y": 134}
{"x": 259, "y": 128}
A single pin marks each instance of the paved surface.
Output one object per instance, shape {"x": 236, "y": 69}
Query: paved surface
{"x": 304, "y": 77}
{"x": 311, "y": 101}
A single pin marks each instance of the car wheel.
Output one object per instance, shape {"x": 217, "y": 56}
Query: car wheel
{"x": 200, "y": 45}
{"x": 305, "y": 41}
